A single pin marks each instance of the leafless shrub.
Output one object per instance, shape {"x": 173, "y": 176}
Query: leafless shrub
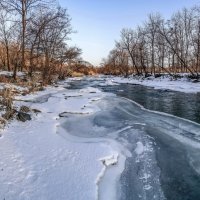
{"x": 6, "y": 99}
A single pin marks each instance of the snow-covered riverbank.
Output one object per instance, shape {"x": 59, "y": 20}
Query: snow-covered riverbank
{"x": 180, "y": 85}
{"x": 38, "y": 161}
{"x": 87, "y": 144}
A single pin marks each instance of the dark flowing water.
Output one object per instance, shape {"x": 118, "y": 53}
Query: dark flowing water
{"x": 176, "y": 103}
{"x": 172, "y": 158}
{"x": 180, "y": 104}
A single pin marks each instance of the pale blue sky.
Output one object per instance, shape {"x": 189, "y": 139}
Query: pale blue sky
{"x": 99, "y": 22}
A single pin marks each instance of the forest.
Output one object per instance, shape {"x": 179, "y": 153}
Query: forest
{"x": 158, "y": 46}
{"x": 34, "y": 37}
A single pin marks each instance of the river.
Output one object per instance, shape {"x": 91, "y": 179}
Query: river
{"x": 154, "y": 127}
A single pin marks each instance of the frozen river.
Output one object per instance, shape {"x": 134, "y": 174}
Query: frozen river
{"x": 162, "y": 150}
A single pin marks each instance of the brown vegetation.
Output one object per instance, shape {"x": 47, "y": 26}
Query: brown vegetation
{"x": 33, "y": 38}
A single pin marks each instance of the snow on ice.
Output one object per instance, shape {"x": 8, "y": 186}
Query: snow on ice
{"x": 38, "y": 163}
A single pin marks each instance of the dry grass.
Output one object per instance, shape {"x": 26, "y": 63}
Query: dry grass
{"x": 77, "y": 74}
{"x": 5, "y": 79}
{"x": 10, "y": 89}
{"x": 2, "y": 123}
{"x": 6, "y": 98}
{"x": 6, "y": 102}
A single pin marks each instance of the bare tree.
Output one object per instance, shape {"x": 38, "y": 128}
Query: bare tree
{"x": 143, "y": 50}
{"x": 170, "y": 34}
{"x": 68, "y": 56}
{"x": 6, "y": 34}
{"x": 160, "y": 45}
{"x": 129, "y": 42}
{"x": 151, "y": 31}
{"x": 24, "y": 9}
{"x": 53, "y": 36}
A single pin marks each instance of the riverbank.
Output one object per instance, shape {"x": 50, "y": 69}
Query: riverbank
{"x": 40, "y": 160}
{"x": 22, "y": 85}
{"x": 182, "y": 84}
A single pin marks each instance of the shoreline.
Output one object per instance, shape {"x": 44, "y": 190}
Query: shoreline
{"x": 161, "y": 83}
{"x": 43, "y": 154}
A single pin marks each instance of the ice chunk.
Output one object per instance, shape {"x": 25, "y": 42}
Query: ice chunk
{"x": 140, "y": 148}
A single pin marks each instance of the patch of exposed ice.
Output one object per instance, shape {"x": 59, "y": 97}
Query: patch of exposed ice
{"x": 90, "y": 90}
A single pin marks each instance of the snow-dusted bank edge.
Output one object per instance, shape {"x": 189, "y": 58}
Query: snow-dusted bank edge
{"x": 39, "y": 160}
{"x": 163, "y": 83}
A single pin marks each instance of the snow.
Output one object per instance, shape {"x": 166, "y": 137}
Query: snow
{"x": 163, "y": 83}
{"x": 12, "y": 87}
{"x": 110, "y": 160}
{"x": 37, "y": 96}
{"x": 38, "y": 161}
{"x": 140, "y": 148}
{"x": 109, "y": 177}
{"x": 44, "y": 166}
{"x": 7, "y": 73}
{"x": 108, "y": 82}
{"x": 41, "y": 160}
{"x": 90, "y": 90}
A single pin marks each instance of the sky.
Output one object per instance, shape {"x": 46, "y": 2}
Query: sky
{"x": 98, "y": 22}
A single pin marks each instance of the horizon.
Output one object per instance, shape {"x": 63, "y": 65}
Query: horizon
{"x": 98, "y": 24}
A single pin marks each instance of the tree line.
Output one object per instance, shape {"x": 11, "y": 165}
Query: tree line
{"x": 158, "y": 46}
{"x": 33, "y": 37}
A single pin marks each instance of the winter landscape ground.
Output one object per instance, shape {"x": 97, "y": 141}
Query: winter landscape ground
{"x": 99, "y": 100}
{"x": 90, "y": 144}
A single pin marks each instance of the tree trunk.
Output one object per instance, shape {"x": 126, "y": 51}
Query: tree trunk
{"x": 31, "y": 64}
{"x": 46, "y": 66}
{"x": 15, "y": 70}
{"x": 8, "y": 57}
{"x": 23, "y": 33}
{"x": 153, "y": 59}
